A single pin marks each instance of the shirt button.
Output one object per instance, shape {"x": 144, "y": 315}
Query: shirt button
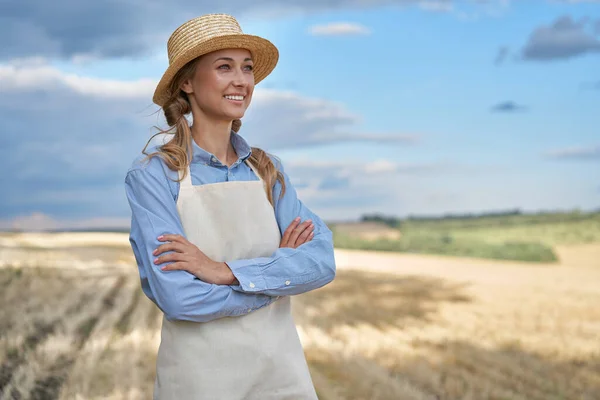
{"x": 251, "y": 285}
{"x": 287, "y": 282}
{"x": 214, "y": 159}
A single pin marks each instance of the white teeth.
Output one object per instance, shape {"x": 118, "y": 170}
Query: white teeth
{"x": 235, "y": 97}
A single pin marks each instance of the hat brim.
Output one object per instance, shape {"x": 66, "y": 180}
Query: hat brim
{"x": 264, "y": 56}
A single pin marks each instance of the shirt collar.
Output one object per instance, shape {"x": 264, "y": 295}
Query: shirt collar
{"x": 240, "y": 145}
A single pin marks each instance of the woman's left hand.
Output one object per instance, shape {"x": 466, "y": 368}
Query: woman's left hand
{"x": 186, "y": 256}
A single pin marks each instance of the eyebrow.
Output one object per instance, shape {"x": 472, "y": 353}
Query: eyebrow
{"x": 230, "y": 59}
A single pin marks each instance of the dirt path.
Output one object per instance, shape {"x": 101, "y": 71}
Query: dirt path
{"x": 579, "y": 265}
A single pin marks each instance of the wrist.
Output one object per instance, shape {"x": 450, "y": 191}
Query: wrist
{"x": 228, "y": 277}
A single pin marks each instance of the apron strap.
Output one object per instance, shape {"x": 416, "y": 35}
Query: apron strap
{"x": 254, "y": 170}
{"x": 187, "y": 181}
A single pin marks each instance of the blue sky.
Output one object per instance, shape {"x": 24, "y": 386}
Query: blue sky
{"x": 423, "y": 107}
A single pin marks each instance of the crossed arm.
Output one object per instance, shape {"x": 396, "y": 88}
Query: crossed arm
{"x": 230, "y": 289}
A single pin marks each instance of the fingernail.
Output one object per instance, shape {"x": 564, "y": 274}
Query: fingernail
{"x": 156, "y": 261}
{"x": 154, "y": 252}
{"x": 297, "y": 219}
{"x": 160, "y": 237}
{"x": 309, "y": 220}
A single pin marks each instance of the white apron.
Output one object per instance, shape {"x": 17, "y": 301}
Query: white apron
{"x": 254, "y": 356}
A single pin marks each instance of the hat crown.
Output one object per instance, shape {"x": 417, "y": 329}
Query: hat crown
{"x": 198, "y": 30}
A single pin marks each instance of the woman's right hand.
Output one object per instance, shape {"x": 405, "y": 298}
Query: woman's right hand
{"x": 297, "y": 233}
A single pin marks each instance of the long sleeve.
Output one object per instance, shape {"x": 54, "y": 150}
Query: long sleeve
{"x": 179, "y": 294}
{"x": 289, "y": 271}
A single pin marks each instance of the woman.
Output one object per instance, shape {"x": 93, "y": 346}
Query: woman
{"x": 219, "y": 235}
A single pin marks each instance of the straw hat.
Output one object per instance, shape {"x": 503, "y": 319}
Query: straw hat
{"x": 208, "y": 33}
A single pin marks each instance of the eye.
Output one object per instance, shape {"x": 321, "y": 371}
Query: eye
{"x": 250, "y": 67}
{"x": 224, "y": 65}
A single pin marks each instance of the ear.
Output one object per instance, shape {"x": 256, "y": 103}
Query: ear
{"x": 186, "y": 86}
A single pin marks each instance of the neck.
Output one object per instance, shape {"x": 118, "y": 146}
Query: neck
{"x": 215, "y": 137}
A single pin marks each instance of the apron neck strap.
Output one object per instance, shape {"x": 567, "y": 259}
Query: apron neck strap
{"x": 187, "y": 181}
{"x": 254, "y": 170}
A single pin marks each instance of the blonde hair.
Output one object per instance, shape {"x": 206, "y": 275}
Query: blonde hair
{"x": 175, "y": 152}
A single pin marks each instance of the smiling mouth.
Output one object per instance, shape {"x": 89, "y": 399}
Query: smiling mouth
{"x": 235, "y": 98}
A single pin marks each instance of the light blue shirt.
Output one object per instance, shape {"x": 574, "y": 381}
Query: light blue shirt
{"x": 152, "y": 196}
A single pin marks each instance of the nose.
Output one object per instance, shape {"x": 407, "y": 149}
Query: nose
{"x": 238, "y": 82}
{"x": 240, "y": 79}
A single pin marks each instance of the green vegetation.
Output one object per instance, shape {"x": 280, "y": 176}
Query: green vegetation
{"x": 447, "y": 245}
{"x": 508, "y": 236}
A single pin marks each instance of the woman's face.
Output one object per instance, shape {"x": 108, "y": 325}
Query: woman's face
{"x": 222, "y": 84}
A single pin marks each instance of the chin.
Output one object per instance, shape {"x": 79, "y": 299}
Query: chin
{"x": 230, "y": 113}
{"x": 234, "y": 115}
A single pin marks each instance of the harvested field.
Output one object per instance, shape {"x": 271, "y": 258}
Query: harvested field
{"x": 75, "y": 324}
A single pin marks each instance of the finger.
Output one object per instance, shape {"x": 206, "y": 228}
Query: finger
{"x": 304, "y": 235}
{"x": 286, "y": 235}
{"x": 170, "y": 246}
{"x": 292, "y": 226}
{"x": 294, "y": 235}
{"x": 169, "y": 257}
{"x": 300, "y": 230}
{"x": 172, "y": 238}
{"x": 176, "y": 266}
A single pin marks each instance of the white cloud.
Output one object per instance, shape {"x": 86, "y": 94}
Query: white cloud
{"x": 381, "y": 166}
{"x": 280, "y": 120}
{"x": 339, "y": 29}
{"x": 307, "y": 121}
{"x": 316, "y": 168}
{"x": 35, "y": 74}
{"x": 342, "y": 190}
{"x": 436, "y": 6}
{"x": 69, "y": 161}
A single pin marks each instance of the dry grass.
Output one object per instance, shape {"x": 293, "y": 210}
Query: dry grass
{"x": 75, "y": 325}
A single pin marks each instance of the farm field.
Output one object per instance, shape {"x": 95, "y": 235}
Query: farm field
{"x": 508, "y": 236}
{"x": 75, "y": 324}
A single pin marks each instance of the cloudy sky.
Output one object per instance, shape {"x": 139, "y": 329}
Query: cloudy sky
{"x": 392, "y": 106}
